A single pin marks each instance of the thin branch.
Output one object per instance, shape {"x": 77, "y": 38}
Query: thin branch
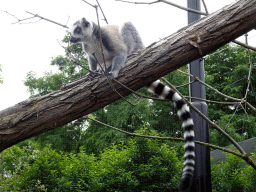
{"x": 11, "y": 15}
{"x": 205, "y": 8}
{"x": 139, "y": 94}
{"x": 244, "y": 156}
{"x": 232, "y": 116}
{"x": 210, "y": 101}
{"x": 29, "y": 22}
{"x": 47, "y": 20}
{"x": 105, "y": 19}
{"x": 111, "y": 84}
{"x": 89, "y": 4}
{"x": 248, "y": 79}
{"x": 67, "y": 20}
{"x": 222, "y": 94}
{"x": 184, "y": 8}
{"x": 234, "y": 82}
{"x": 207, "y": 119}
{"x": 149, "y": 3}
{"x": 19, "y": 20}
{"x": 250, "y": 69}
{"x": 75, "y": 60}
{"x": 186, "y": 84}
{"x": 244, "y": 45}
{"x": 101, "y": 45}
{"x": 167, "y": 2}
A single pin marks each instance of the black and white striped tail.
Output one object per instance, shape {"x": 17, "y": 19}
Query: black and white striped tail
{"x": 187, "y": 123}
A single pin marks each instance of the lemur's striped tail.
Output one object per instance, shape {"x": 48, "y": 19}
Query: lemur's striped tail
{"x": 187, "y": 123}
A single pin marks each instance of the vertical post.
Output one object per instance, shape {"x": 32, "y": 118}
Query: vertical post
{"x": 202, "y": 174}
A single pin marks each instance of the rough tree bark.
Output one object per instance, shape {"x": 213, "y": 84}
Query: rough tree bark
{"x": 35, "y": 116}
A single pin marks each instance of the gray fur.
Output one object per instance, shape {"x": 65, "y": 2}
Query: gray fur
{"x": 118, "y": 44}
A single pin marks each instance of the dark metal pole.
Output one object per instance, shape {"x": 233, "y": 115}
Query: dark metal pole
{"x": 202, "y": 175}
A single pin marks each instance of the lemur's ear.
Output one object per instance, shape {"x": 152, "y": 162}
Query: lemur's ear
{"x": 85, "y": 23}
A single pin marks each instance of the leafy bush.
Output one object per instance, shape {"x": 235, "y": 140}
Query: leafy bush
{"x": 142, "y": 165}
{"x": 229, "y": 176}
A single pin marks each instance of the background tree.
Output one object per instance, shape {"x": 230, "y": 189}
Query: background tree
{"x": 227, "y": 70}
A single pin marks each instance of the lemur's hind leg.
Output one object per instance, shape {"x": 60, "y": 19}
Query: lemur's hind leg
{"x": 131, "y": 38}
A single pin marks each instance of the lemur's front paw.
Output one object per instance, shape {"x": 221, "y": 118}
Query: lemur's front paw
{"x": 92, "y": 75}
{"x": 110, "y": 76}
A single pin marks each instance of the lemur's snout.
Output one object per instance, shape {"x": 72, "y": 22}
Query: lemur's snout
{"x": 74, "y": 40}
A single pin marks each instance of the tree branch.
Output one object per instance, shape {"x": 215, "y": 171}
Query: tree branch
{"x": 35, "y": 15}
{"x": 244, "y": 156}
{"x": 166, "y": 2}
{"x": 37, "y": 115}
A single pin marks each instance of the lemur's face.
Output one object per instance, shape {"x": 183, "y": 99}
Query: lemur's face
{"x": 80, "y": 31}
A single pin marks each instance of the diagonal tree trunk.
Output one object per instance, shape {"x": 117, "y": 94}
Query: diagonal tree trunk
{"x": 35, "y": 116}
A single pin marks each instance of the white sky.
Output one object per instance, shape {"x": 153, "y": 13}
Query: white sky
{"x": 29, "y": 47}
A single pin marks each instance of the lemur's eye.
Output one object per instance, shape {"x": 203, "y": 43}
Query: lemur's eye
{"x": 78, "y": 30}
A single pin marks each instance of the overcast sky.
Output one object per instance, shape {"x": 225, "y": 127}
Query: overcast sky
{"x": 29, "y": 47}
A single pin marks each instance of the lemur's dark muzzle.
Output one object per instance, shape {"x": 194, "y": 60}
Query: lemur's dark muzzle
{"x": 74, "y": 40}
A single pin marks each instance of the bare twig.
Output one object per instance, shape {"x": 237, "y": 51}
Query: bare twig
{"x": 250, "y": 69}
{"x": 148, "y": 3}
{"x": 186, "y": 84}
{"x": 210, "y": 101}
{"x": 89, "y": 4}
{"x": 217, "y": 91}
{"x": 29, "y": 22}
{"x": 48, "y": 20}
{"x": 101, "y": 45}
{"x": 244, "y": 156}
{"x": 234, "y": 82}
{"x": 75, "y": 60}
{"x": 11, "y": 15}
{"x": 105, "y": 19}
{"x": 67, "y": 20}
{"x": 19, "y": 20}
{"x": 111, "y": 84}
{"x": 244, "y": 45}
{"x": 248, "y": 79}
{"x": 167, "y": 2}
{"x": 183, "y": 8}
{"x": 205, "y": 8}
{"x": 207, "y": 119}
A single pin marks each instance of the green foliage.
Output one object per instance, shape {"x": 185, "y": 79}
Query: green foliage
{"x": 66, "y": 138}
{"x": 142, "y": 165}
{"x": 229, "y": 176}
{"x": 227, "y": 71}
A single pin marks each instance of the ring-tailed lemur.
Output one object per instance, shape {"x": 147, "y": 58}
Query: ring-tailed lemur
{"x": 118, "y": 43}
